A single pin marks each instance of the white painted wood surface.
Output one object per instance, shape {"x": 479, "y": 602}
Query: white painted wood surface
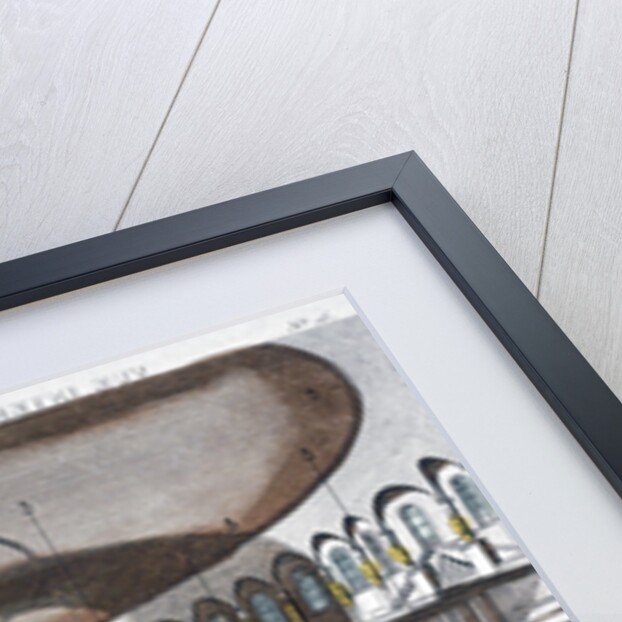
{"x": 107, "y": 118}
{"x": 282, "y": 91}
{"x": 582, "y": 275}
{"x": 279, "y": 92}
{"x": 84, "y": 87}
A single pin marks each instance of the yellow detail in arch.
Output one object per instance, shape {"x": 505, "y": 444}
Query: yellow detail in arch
{"x": 340, "y": 593}
{"x": 291, "y": 613}
{"x": 370, "y": 571}
{"x": 460, "y": 526}
{"x": 400, "y": 555}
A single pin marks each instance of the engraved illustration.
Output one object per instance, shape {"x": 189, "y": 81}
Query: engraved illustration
{"x": 293, "y": 480}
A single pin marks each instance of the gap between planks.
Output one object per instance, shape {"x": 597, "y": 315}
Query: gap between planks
{"x": 167, "y": 114}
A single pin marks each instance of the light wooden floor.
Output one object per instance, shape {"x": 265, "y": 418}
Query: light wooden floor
{"x": 116, "y": 113}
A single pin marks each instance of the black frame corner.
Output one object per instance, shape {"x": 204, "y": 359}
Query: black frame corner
{"x": 583, "y": 402}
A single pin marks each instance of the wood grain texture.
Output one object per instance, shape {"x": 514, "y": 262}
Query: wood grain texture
{"x": 582, "y": 272}
{"x": 279, "y": 92}
{"x": 84, "y": 87}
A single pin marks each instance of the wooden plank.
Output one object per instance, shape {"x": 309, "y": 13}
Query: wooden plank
{"x": 582, "y": 275}
{"x": 84, "y": 87}
{"x": 282, "y": 91}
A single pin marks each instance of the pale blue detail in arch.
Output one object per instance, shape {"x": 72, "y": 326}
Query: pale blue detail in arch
{"x": 377, "y": 550}
{"x": 312, "y": 591}
{"x": 473, "y": 499}
{"x": 419, "y": 525}
{"x": 266, "y": 609}
{"x": 349, "y": 569}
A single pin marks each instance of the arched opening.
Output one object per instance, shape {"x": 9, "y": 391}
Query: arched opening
{"x": 376, "y": 549}
{"x": 214, "y": 610}
{"x": 349, "y": 569}
{"x": 473, "y": 499}
{"x": 311, "y": 590}
{"x": 266, "y": 608}
{"x": 303, "y": 582}
{"x": 419, "y": 525}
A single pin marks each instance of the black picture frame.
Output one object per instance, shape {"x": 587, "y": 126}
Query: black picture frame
{"x": 572, "y": 388}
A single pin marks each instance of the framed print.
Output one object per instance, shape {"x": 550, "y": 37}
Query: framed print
{"x": 275, "y": 470}
{"x": 301, "y": 416}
